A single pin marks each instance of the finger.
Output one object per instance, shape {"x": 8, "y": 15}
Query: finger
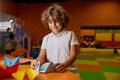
{"x": 34, "y": 64}
{"x": 58, "y": 66}
{"x": 61, "y": 70}
{"x": 55, "y": 65}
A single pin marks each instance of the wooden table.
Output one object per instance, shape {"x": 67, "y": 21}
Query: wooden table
{"x": 45, "y": 76}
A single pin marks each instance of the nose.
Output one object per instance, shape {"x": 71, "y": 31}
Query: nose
{"x": 54, "y": 23}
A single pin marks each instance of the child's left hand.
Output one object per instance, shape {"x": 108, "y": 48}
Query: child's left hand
{"x": 59, "y": 67}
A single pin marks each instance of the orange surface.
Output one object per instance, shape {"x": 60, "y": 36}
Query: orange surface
{"x": 46, "y": 76}
{"x": 58, "y": 76}
{"x": 109, "y": 63}
{"x": 89, "y": 67}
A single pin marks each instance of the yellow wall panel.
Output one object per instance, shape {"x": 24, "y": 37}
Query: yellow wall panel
{"x": 117, "y": 37}
{"x": 103, "y": 37}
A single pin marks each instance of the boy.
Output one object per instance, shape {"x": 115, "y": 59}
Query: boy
{"x": 10, "y": 44}
{"x": 59, "y": 45}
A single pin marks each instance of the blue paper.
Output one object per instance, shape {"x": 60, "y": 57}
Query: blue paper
{"x": 46, "y": 67}
{"x": 38, "y": 67}
{"x": 9, "y": 63}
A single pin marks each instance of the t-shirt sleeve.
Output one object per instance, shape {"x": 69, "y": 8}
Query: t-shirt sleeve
{"x": 74, "y": 40}
{"x": 43, "y": 46}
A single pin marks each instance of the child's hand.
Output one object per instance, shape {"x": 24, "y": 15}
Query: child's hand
{"x": 34, "y": 64}
{"x": 59, "y": 67}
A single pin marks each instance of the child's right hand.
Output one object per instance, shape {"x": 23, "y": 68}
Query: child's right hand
{"x": 34, "y": 64}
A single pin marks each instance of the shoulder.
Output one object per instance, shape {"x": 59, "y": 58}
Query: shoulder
{"x": 47, "y": 36}
{"x": 70, "y": 32}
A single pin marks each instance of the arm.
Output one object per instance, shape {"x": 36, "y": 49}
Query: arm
{"x": 71, "y": 57}
{"x": 60, "y": 67}
{"x": 41, "y": 58}
{"x": 42, "y": 55}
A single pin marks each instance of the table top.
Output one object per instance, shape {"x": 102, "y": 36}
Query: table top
{"x": 45, "y": 76}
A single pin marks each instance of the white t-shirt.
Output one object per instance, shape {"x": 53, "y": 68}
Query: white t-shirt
{"x": 58, "y": 47}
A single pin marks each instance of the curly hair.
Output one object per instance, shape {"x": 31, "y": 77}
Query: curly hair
{"x": 57, "y": 13}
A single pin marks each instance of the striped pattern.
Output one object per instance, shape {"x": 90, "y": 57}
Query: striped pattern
{"x": 92, "y": 67}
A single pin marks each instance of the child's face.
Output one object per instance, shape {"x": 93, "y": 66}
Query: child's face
{"x": 55, "y": 25}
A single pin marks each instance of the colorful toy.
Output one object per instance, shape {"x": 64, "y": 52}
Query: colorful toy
{"x": 11, "y": 67}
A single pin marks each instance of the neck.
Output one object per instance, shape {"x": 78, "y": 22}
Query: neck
{"x": 56, "y": 33}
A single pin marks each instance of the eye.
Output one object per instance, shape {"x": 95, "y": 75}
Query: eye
{"x": 57, "y": 21}
{"x": 50, "y": 22}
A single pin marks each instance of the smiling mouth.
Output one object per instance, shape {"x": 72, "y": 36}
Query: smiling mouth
{"x": 55, "y": 27}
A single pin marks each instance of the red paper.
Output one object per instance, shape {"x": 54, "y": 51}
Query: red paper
{"x": 1, "y": 56}
{"x": 4, "y": 73}
{"x": 12, "y": 69}
{"x": 8, "y": 71}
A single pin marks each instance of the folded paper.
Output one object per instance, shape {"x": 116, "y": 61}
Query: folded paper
{"x": 9, "y": 63}
{"x": 11, "y": 67}
{"x": 4, "y": 73}
{"x": 46, "y": 67}
{"x": 21, "y": 74}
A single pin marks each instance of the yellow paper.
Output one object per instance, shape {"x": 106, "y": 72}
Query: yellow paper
{"x": 19, "y": 75}
{"x": 32, "y": 74}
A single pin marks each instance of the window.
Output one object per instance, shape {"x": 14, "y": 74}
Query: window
{"x": 6, "y": 22}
